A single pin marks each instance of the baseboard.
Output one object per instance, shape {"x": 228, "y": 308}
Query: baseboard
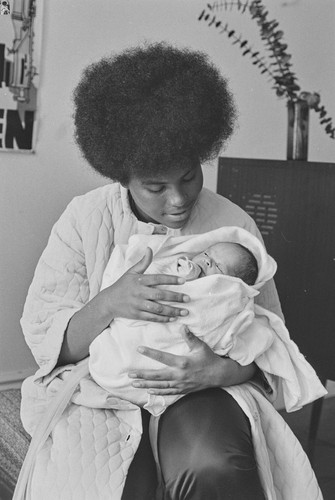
{"x": 14, "y": 379}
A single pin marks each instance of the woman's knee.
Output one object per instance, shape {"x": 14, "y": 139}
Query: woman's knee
{"x": 217, "y": 478}
{"x": 205, "y": 444}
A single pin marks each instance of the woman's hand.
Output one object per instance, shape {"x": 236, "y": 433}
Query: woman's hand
{"x": 135, "y": 295}
{"x": 200, "y": 369}
{"x": 138, "y": 296}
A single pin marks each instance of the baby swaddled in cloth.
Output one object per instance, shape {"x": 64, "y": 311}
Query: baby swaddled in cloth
{"x": 225, "y": 269}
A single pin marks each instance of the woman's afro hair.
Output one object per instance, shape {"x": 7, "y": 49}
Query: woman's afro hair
{"x": 150, "y": 109}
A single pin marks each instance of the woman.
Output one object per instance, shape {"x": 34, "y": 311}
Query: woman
{"x": 146, "y": 119}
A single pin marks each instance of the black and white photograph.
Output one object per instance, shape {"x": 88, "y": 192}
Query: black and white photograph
{"x": 167, "y": 250}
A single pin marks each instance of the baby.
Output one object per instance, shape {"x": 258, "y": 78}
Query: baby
{"x": 231, "y": 259}
{"x": 224, "y": 269}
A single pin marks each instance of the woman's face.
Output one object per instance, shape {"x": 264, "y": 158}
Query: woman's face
{"x": 167, "y": 198}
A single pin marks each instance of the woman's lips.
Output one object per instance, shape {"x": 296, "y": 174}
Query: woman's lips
{"x": 181, "y": 215}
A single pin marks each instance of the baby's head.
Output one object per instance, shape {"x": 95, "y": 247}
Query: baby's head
{"x": 230, "y": 259}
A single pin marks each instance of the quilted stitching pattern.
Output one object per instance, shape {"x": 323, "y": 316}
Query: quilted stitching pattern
{"x": 86, "y": 457}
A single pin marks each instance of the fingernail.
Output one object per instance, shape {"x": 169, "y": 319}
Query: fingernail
{"x": 132, "y": 375}
{"x": 140, "y": 349}
{"x": 172, "y": 319}
{"x": 184, "y": 312}
{"x": 186, "y": 298}
{"x": 181, "y": 281}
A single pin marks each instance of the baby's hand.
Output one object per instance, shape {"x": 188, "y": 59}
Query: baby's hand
{"x": 188, "y": 269}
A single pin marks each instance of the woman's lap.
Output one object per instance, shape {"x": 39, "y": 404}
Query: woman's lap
{"x": 205, "y": 451}
{"x": 141, "y": 482}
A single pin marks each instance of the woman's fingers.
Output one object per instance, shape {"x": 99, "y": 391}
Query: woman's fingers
{"x": 151, "y": 307}
{"x": 155, "y": 297}
{"x": 157, "y": 294}
{"x": 199, "y": 369}
{"x": 164, "y": 387}
{"x": 155, "y": 381}
{"x": 143, "y": 264}
{"x": 161, "y": 279}
{"x": 161, "y": 388}
{"x": 138, "y": 295}
{"x": 156, "y": 377}
{"x": 163, "y": 357}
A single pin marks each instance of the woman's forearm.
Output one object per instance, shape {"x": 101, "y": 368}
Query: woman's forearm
{"x": 232, "y": 373}
{"x": 84, "y": 326}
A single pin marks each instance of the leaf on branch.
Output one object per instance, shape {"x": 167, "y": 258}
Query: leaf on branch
{"x": 285, "y": 58}
{"x": 322, "y": 111}
{"x": 325, "y": 120}
{"x": 201, "y": 15}
{"x": 278, "y": 35}
{"x": 212, "y": 21}
{"x": 280, "y": 92}
{"x": 294, "y": 86}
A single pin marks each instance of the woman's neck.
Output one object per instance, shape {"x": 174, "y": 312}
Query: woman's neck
{"x": 135, "y": 210}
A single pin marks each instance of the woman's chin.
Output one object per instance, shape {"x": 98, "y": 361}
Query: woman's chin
{"x": 176, "y": 221}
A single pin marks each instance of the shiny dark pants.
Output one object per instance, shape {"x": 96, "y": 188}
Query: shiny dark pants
{"x": 205, "y": 452}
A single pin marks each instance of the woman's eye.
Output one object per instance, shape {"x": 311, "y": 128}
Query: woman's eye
{"x": 189, "y": 179}
{"x": 157, "y": 190}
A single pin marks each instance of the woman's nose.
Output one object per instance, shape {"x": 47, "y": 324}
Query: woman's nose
{"x": 178, "y": 197}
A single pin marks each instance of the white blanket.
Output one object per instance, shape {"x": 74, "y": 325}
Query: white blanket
{"x": 221, "y": 312}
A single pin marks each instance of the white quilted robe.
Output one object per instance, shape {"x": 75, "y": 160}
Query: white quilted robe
{"x": 91, "y": 444}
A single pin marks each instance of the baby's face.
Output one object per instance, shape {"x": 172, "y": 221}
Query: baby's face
{"x": 217, "y": 259}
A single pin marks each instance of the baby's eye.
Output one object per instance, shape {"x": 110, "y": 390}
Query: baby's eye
{"x": 208, "y": 261}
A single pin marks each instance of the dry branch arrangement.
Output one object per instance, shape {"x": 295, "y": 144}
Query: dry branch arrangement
{"x": 275, "y": 62}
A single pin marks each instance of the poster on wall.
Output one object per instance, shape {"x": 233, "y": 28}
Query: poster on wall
{"x": 20, "y": 41}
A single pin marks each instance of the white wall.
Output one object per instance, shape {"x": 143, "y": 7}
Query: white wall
{"x": 35, "y": 188}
